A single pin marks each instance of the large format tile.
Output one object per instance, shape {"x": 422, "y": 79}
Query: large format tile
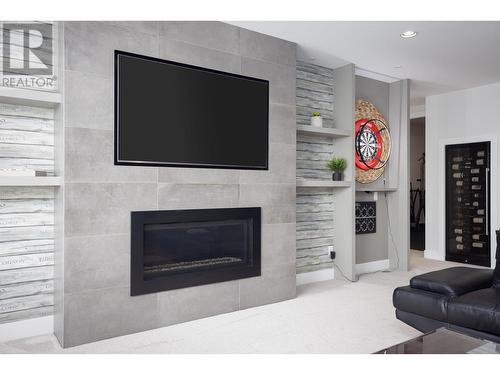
{"x": 281, "y": 79}
{"x": 281, "y": 167}
{"x": 279, "y": 286}
{"x": 184, "y": 196}
{"x": 93, "y": 208}
{"x": 104, "y": 313}
{"x": 278, "y": 247}
{"x": 88, "y": 100}
{"x": 187, "y": 304}
{"x": 270, "y": 49}
{"x": 214, "y": 35}
{"x": 89, "y": 158}
{"x": 199, "y": 176}
{"x": 144, "y": 27}
{"x": 264, "y": 194}
{"x": 282, "y": 127}
{"x": 186, "y": 53}
{"x": 95, "y": 262}
{"x": 90, "y": 46}
{"x": 100, "y": 196}
{"x": 282, "y": 213}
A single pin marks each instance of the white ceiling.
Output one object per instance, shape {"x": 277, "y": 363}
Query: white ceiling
{"x": 444, "y": 56}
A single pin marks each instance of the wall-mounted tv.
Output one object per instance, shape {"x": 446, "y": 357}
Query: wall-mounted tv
{"x": 173, "y": 114}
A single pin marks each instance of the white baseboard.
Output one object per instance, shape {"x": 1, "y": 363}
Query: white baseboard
{"x": 378, "y": 265}
{"x": 26, "y": 328}
{"x": 432, "y": 255}
{"x": 315, "y": 276}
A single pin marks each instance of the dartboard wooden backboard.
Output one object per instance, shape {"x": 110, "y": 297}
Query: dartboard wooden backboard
{"x": 372, "y": 142}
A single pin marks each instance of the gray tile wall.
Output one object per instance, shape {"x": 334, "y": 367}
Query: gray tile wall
{"x": 99, "y": 196}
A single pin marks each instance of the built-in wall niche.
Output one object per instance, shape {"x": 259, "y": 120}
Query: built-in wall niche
{"x": 324, "y": 207}
{"x": 313, "y": 152}
{"x": 314, "y": 91}
{"x": 26, "y": 213}
{"x": 315, "y": 218}
{"x": 389, "y": 192}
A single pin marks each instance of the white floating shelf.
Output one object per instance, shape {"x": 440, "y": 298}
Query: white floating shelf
{"x": 36, "y": 98}
{"x": 370, "y": 190}
{"x": 29, "y": 181}
{"x": 323, "y": 184}
{"x": 325, "y": 132}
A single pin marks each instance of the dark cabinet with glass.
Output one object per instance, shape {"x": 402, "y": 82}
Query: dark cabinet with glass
{"x": 468, "y": 203}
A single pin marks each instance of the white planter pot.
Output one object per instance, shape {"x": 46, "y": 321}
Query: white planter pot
{"x": 317, "y": 121}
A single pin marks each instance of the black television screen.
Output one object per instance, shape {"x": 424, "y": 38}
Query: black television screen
{"x": 173, "y": 114}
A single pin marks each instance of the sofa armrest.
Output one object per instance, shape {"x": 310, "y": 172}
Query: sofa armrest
{"x": 453, "y": 281}
{"x": 420, "y": 302}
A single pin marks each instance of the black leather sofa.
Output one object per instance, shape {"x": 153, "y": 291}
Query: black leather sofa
{"x": 460, "y": 298}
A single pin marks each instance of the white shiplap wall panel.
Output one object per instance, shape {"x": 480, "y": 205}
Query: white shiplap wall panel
{"x": 26, "y": 289}
{"x": 314, "y": 229}
{"x": 314, "y": 207}
{"x": 26, "y": 215}
{"x": 26, "y": 246}
{"x": 314, "y": 93}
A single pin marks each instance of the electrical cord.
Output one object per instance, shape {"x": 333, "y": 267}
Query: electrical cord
{"x": 395, "y": 248}
{"x": 342, "y": 273}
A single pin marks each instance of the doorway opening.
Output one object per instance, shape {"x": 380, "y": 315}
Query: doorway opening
{"x": 417, "y": 183}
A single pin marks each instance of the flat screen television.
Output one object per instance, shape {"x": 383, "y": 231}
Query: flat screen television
{"x": 173, "y": 114}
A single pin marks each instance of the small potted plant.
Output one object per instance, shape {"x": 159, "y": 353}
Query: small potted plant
{"x": 337, "y": 166}
{"x": 316, "y": 120}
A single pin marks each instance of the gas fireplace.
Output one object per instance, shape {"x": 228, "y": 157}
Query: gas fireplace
{"x": 184, "y": 248}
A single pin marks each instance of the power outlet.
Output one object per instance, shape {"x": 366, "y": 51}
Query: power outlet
{"x": 331, "y": 252}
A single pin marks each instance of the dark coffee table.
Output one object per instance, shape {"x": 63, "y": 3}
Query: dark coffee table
{"x": 443, "y": 341}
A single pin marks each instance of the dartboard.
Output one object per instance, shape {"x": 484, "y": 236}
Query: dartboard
{"x": 372, "y": 142}
{"x": 369, "y": 144}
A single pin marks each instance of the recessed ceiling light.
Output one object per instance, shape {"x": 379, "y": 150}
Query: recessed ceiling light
{"x": 397, "y": 66}
{"x": 408, "y": 34}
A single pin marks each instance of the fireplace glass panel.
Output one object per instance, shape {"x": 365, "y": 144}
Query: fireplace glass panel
{"x": 176, "y": 248}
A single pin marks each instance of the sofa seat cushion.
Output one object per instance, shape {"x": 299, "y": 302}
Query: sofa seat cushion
{"x": 453, "y": 281}
{"x": 479, "y": 310}
{"x": 420, "y": 302}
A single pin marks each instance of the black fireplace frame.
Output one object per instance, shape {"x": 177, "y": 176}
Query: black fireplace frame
{"x": 139, "y": 285}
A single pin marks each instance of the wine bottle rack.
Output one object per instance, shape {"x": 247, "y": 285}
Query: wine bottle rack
{"x": 468, "y": 203}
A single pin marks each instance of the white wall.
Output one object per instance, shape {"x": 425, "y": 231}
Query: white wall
{"x": 463, "y": 116}
{"x": 417, "y": 111}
